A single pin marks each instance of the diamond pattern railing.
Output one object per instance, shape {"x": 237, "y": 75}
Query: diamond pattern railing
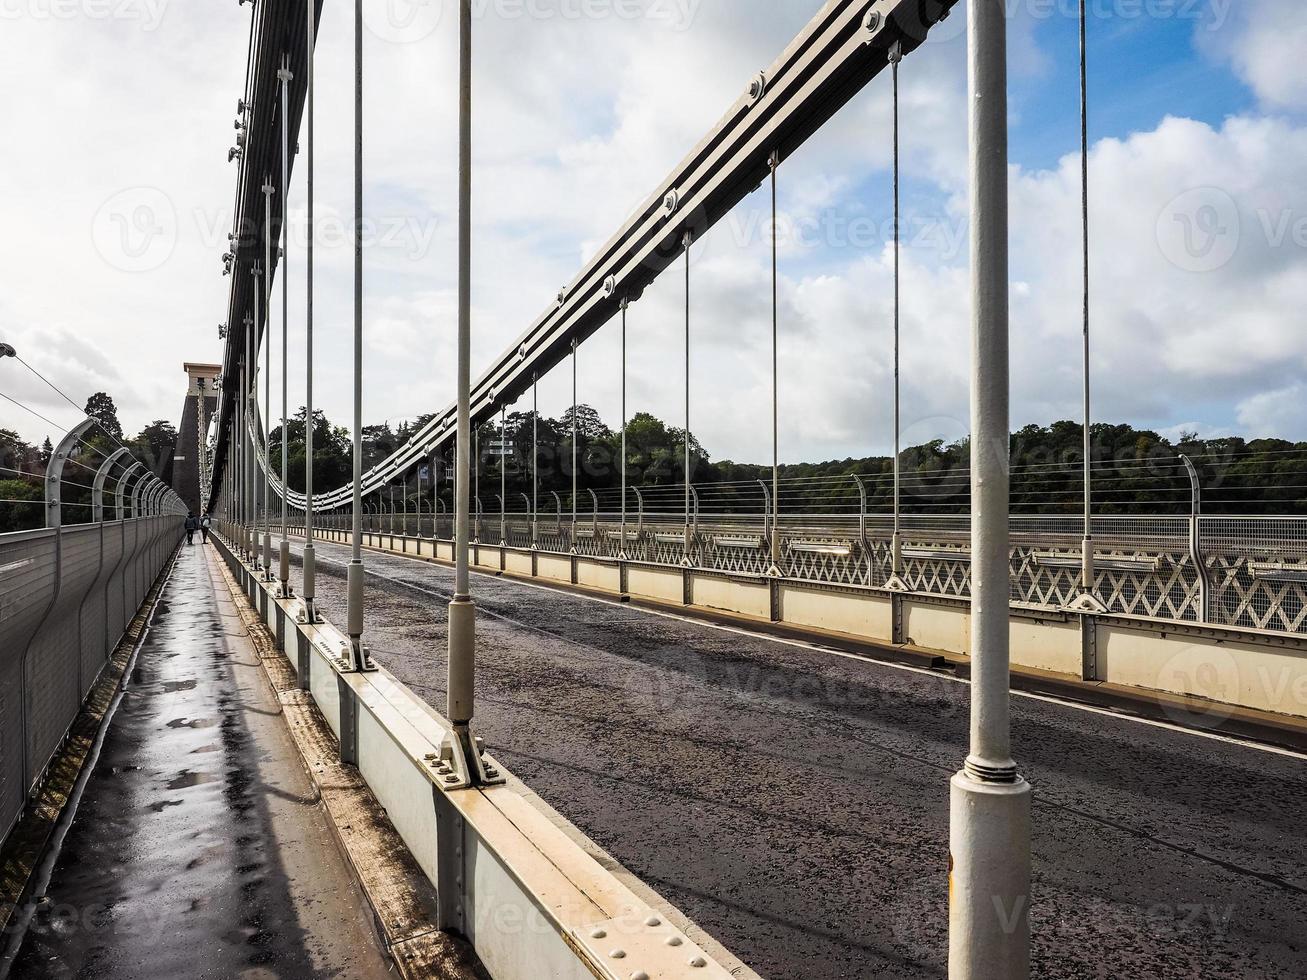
{"x": 1254, "y": 569}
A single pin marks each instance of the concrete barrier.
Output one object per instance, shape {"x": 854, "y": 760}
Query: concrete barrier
{"x": 1227, "y": 667}
{"x": 532, "y": 900}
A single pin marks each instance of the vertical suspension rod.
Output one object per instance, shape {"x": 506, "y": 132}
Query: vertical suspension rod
{"x": 355, "y": 575}
{"x": 284, "y": 75}
{"x": 1087, "y": 553}
{"x": 310, "y": 563}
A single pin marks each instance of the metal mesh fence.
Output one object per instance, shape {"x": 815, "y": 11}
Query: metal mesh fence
{"x": 1257, "y": 571}
{"x": 66, "y": 596}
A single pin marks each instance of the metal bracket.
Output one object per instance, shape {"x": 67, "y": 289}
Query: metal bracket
{"x": 349, "y": 657}
{"x": 896, "y": 584}
{"x": 454, "y": 768}
{"x": 1087, "y": 603}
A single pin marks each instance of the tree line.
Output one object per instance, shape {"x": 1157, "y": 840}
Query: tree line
{"x": 1134, "y": 470}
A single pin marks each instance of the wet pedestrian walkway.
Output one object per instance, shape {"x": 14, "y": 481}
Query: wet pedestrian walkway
{"x": 199, "y": 848}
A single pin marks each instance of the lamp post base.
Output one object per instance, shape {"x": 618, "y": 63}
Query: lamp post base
{"x": 989, "y": 880}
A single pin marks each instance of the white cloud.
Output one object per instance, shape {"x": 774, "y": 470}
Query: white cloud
{"x": 90, "y": 120}
{"x": 1264, "y": 40}
{"x": 1280, "y": 413}
{"x": 1191, "y": 294}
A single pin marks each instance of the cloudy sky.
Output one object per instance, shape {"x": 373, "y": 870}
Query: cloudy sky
{"x": 1199, "y": 132}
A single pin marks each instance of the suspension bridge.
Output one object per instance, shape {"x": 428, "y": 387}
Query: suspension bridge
{"x": 807, "y": 727}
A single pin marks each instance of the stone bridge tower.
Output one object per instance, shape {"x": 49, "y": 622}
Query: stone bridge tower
{"x": 190, "y": 470}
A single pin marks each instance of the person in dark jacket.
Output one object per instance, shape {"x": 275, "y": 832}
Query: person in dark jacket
{"x": 192, "y": 525}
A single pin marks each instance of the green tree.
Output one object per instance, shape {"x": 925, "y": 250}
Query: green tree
{"x": 378, "y": 442}
{"x": 20, "y": 516}
{"x": 333, "y": 453}
{"x": 655, "y": 453}
{"x": 101, "y": 408}
{"x": 1134, "y": 470}
{"x": 15, "y": 454}
{"x": 155, "y": 445}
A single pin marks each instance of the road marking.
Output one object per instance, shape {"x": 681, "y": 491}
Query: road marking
{"x": 818, "y": 648}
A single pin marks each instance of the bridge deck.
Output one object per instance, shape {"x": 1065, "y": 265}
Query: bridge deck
{"x": 198, "y": 848}
{"x": 795, "y": 802}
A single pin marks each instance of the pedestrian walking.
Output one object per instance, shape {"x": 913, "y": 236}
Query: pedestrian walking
{"x": 192, "y": 525}
{"x": 205, "y": 521}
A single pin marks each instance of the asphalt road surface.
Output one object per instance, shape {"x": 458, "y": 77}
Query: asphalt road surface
{"x": 795, "y": 802}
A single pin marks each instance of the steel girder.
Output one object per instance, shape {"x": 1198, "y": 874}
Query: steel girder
{"x": 279, "y": 28}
